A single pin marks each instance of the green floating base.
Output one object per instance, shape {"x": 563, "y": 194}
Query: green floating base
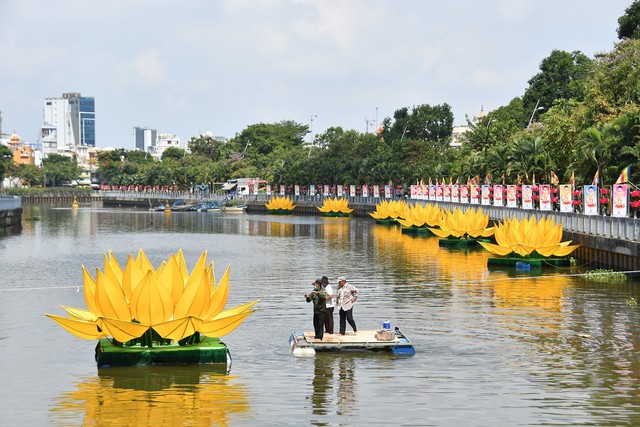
{"x": 336, "y": 214}
{"x": 460, "y": 243}
{"x": 533, "y": 263}
{"x": 423, "y": 231}
{"x": 209, "y": 350}
{"x": 280, "y": 212}
{"x": 387, "y": 221}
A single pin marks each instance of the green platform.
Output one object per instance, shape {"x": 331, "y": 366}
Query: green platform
{"x": 279, "y": 211}
{"x": 336, "y": 214}
{"x": 423, "y": 231}
{"x": 533, "y": 262}
{"x": 460, "y": 243}
{"x": 209, "y": 350}
{"x": 387, "y": 221}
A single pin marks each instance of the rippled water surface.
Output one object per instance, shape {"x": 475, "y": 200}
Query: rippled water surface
{"x": 493, "y": 347}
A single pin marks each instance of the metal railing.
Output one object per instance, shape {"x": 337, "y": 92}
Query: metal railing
{"x": 595, "y": 225}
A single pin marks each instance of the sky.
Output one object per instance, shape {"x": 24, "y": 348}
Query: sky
{"x": 186, "y": 67}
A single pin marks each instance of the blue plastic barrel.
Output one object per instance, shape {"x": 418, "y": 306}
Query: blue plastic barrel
{"x": 386, "y": 325}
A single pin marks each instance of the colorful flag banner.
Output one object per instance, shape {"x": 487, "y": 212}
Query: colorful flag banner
{"x": 554, "y": 179}
{"x": 572, "y": 180}
{"x": 624, "y": 175}
{"x": 596, "y": 178}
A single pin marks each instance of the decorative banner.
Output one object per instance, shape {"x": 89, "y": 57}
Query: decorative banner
{"x": 464, "y": 194}
{"x": 387, "y": 191}
{"x": 512, "y": 196}
{"x": 497, "y": 195}
{"x": 268, "y": 189}
{"x": 432, "y": 192}
{"x": 447, "y": 192}
{"x": 413, "y": 191}
{"x": 455, "y": 193}
{"x": 475, "y": 194}
{"x": 620, "y": 200}
{"x": 326, "y": 189}
{"x": 439, "y": 192}
{"x": 376, "y": 191}
{"x": 545, "y": 197}
{"x": 425, "y": 192}
{"x": 365, "y": 191}
{"x": 527, "y": 196}
{"x": 282, "y": 190}
{"x": 312, "y": 190}
{"x": 339, "y": 191}
{"x": 590, "y": 200}
{"x": 566, "y": 198}
{"x": 352, "y": 190}
{"x": 296, "y": 190}
{"x": 486, "y": 198}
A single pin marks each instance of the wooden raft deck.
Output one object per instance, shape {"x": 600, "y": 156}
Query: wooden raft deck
{"x": 304, "y": 343}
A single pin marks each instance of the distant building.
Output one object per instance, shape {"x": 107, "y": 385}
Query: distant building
{"x": 145, "y": 139}
{"x": 68, "y": 122}
{"x": 167, "y": 140}
{"x": 457, "y": 135}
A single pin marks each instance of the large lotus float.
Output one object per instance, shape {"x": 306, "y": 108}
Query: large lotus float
{"x": 388, "y": 212}
{"x": 419, "y": 218}
{"x": 529, "y": 243}
{"x": 457, "y": 228}
{"x": 335, "y": 207}
{"x": 145, "y": 316}
{"x": 280, "y": 205}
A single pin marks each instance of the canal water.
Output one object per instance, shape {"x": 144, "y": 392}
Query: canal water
{"x": 492, "y": 347}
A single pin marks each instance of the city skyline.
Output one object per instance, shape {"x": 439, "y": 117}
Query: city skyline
{"x": 222, "y": 66}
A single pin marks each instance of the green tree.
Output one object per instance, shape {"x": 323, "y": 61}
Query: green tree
{"x": 562, "y": 75}
{"x": 58, "y": 168}
{"x": 173, "y": 153}
{"x": 6, "y": 159}
{"x": 30, "y": 174}
{"x": 206, "y": 146}
{"x": 629, "y": 23}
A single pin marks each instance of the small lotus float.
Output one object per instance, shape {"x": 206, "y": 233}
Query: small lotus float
{"x": 459, "y": 228}
{"x": 388, "y": 212}
{"x": 280, "y": 205}
{"x": 529, "y": 243}
{"x": 142, "y": 315}
{"x": 419, "y": 218}
{"x": 335, "y": 207}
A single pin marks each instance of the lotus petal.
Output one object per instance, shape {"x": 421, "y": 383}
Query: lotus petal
{"x": 177, "y": 329}
{"x": 150, "y": 303}
{"x": 79, "y": 313}
{"x": 121, "y": 330}
{"x": 222, "y": 325}
{"x": 78, "y": 327}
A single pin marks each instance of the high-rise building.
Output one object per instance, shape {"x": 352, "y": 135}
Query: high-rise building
{"x": 69, "y": 122}
{"x": 144, "y": 139}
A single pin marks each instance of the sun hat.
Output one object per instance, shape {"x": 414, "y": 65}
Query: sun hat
{"x": 342, "y": 279}
{"x": 324, "y": 279}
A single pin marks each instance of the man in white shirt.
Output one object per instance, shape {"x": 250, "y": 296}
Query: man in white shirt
{"x": 330, "y": 305}
{"x": 347, "y": 295}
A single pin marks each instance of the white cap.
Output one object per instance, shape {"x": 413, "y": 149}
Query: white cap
{"x": 342, "y": 279}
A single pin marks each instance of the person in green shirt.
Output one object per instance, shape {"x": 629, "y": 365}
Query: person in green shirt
{"x": 319, "y": 298}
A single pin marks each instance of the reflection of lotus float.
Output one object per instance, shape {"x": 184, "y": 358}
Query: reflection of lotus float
{"x": 459, "y": 228}
{"x": 529, "y": 242}
{"x": 280, "y": 205}
{"x": 388, "y": 212}
{"x": 418, "y": 218}
{"x": 141, "y": 315}
{"x": 335, "y": 208}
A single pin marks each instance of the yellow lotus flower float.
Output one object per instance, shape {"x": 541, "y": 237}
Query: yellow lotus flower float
{"x": 280, "y": 205}
{"x": 460, "y": 228}
{"x": 529, "y": 241}
{"x": 419, "y": 218}
{"x": 143, "y": 315}
{"x": 388, "y": 212}
{"x": 335, "y": 207}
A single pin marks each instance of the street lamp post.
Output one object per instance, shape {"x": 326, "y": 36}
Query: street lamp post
{"x": 311, "y": 132}
{"x": 534, "y": 112}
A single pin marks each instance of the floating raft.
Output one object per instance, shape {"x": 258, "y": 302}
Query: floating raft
{"x": 336, "y": 214}
{"x": 207, "y": 351}
{"x": 279, "y": 211}
{"x": 303, "y": 343}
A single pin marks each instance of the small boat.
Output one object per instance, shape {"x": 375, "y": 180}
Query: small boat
{"x": 233, "y": 209}
{"x": 177, "y": 206}
{"x": 395, "y": 341}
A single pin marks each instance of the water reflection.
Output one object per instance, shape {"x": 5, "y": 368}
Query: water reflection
{"x": 333, "y": 384}
{"x": 158, "y": 395}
